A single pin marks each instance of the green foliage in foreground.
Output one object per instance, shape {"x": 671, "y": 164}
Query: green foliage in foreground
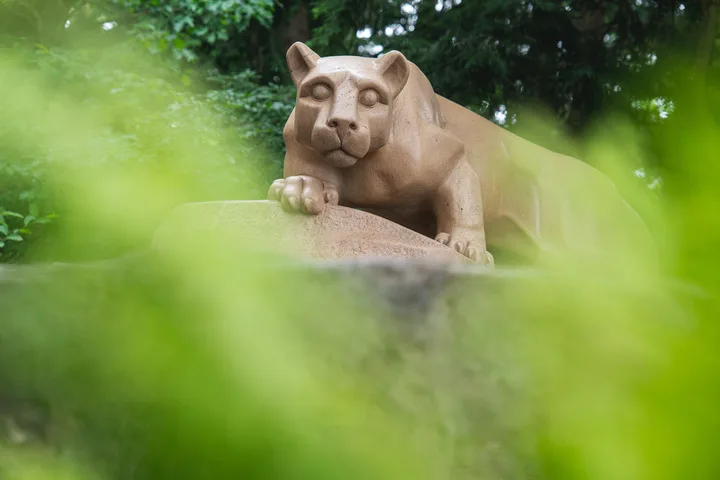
{"x": 210, "y": 363}
{"x": 139, "y": 115}
{"x": 215, "y": 365}
{"x": 230, "y": 121}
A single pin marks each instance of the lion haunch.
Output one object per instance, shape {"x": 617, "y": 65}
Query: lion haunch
{"x": 372, "y": 134}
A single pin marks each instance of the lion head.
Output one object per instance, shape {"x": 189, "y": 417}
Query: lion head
{"x": 344, "y": 104}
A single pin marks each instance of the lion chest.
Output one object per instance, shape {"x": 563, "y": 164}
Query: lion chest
{"x": 399, "y": 174}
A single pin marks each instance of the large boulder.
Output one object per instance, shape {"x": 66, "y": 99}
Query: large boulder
{"x": 338, "y": 233}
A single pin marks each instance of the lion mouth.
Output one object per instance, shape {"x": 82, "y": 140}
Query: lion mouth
{"x": 339, "y": 150}
{"x": 340, "y": 157}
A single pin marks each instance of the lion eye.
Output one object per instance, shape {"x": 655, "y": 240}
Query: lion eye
{"x": 369, "y": 98}
{"x": 321, "y": 92}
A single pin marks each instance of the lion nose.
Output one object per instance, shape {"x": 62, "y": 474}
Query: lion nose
{"x": 342, "y": 125}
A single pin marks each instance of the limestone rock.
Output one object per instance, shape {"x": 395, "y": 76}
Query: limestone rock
{"x": 338, "y": 233}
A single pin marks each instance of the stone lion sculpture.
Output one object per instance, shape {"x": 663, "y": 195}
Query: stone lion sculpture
{"x": 372, "y": 134}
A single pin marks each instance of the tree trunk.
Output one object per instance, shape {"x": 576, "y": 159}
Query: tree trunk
{"x": 711, "y": 9}
{"x": 297, "y": 29}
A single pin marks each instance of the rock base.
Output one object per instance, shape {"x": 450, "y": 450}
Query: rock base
{"x": 338, "y": 233}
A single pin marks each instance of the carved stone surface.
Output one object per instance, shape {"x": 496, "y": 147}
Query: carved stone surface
{"x": 336, "y": 233}
{"x": 371, "y": 133}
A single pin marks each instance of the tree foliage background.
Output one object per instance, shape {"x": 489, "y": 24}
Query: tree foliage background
{"x": 577, "y": 60}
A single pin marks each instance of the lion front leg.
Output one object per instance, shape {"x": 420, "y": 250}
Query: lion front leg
{"x": 308, "y": 185}
{"x": 303, "y": 193}
{"x": 459, "y": 214}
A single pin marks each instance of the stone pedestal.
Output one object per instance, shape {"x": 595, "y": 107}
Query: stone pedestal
{"x": 338, "y": 233}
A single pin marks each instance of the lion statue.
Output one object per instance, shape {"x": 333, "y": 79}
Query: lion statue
{"x": 371, "y": 133}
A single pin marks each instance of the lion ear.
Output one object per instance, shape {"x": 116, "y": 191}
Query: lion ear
{"x": 300, "y": 60}
{"x": 395, "y": 70}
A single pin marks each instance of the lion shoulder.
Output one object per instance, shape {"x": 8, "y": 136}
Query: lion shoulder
{"x": 418, "y": 102}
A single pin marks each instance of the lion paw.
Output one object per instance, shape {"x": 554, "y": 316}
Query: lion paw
{"x": 468, "y": 243}
{"x": 302, "y": 193}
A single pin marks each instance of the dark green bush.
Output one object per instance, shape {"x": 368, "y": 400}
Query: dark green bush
{"x": 232, "y": 116}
